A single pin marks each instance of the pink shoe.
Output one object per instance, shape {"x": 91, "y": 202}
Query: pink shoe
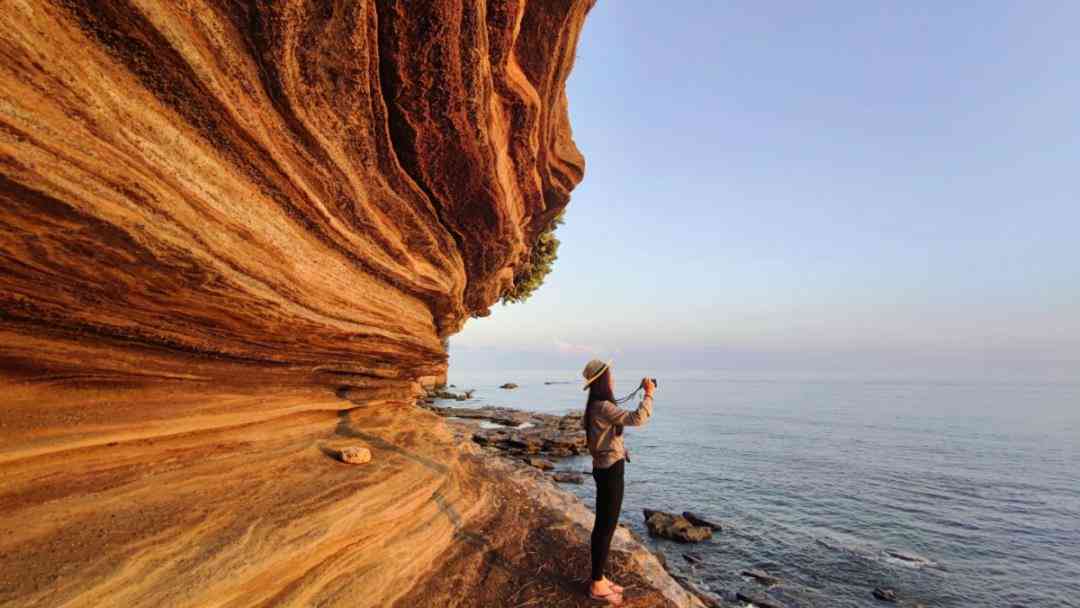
{"x": 613, "y": 598}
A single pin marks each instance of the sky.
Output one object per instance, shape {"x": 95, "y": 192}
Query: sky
{"x": 833, "y": 186}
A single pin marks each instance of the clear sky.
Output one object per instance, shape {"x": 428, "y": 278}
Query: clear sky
{"x": 815, "y": 186}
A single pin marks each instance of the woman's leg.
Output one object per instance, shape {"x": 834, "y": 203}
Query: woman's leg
{"x": 609, "y": 495}
{"x": 598, "y": 546}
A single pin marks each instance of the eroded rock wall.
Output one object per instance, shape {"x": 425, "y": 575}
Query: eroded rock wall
{"x": 321, "y": 185}
{"x": 234, "y": 235}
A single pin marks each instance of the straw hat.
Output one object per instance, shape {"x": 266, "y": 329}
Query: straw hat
{"x": 592, "y": 371}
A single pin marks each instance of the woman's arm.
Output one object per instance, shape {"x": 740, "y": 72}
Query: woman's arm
{"x": 638, "y": 417}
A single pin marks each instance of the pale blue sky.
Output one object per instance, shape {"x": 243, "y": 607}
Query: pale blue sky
{"x": 815, "y": 185}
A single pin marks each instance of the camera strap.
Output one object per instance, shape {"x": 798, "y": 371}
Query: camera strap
{"x": 629, "y": 397}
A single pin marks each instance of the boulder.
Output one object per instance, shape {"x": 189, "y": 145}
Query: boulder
{"x": 509, "y": 385}
{"x": 539, "y": 463}
{"x": 885, "y": 595}
{"x": 355, "y": 455}
{"x": 675, "y": 527}
{"x": 697, "y": 520}
{"x": 762, "y": 577}
{"x": 569, "y": 477}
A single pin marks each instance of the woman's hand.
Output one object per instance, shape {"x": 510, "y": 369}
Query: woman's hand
{"x": 650, "y": 388}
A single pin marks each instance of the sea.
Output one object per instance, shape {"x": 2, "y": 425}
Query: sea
{"x": 951, "y": 493}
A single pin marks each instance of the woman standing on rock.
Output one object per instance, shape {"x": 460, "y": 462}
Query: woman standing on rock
{"x": 604, "y": 422}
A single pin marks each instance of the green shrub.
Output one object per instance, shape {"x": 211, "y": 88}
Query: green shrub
{"x": 531, "y": 276}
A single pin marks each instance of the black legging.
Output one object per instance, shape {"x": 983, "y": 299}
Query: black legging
{"x": 609, "y": 493}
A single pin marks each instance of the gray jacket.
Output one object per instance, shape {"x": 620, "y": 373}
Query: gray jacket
{"x": 606, "y": 443}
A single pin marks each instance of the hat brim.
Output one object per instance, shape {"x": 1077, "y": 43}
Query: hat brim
{"x": 597, "y": 374}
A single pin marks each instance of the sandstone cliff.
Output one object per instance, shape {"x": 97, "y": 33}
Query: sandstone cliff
{"x": 234, "y": 236}
{"x": 318, "y": 187}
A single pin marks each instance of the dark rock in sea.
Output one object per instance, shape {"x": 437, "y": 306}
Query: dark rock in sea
{"x": 885, "y": 595}
{"x": 509, "y": 385}
{"x": 675, "y": 527}
{"x": 569, "y": 477}
{"x": 762, "y": 577}
{"x": 692, "y": 558}
{"x": 908, "y": 557}
{"x": 697, "y": 520}
{"x": 706, "y": 598}
{"x": 540, "y": 463}
{"x": 758, "y": 600}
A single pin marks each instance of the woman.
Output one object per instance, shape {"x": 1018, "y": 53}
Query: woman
{"x": 604, "y": 422}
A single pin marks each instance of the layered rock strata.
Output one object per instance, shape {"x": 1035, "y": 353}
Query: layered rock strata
{"x": 234, "y": 237}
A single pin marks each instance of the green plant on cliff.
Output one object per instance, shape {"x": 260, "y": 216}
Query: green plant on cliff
{"x": 531, "y": 276}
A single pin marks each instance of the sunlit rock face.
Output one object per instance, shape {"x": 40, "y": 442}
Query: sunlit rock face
{"x": 218, "y": 216}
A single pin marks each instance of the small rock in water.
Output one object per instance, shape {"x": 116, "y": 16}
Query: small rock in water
{"x": 569, "y": 477}
{"x": 509, "y": 385}
{"x": 885, "y": 595}
{"x": 692, "y": 558}
{"x": 697, "y": 520}
{"x": 540, "y": 463}
{"x": 355, "y": 455}
{"x": 760, "y": 601}
{"x": 762, "y": 577}
{"x": 675, "y": 527}
{"x": 908, "y": 557}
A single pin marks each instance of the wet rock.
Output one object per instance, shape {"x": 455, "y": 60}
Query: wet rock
{"x": 697, "y": 520}
{"x": 540, "y": 463}
{"x": 762, "y": 577}
{"x": 885, "y": 595}
{"x": 692, "y": 558}
{"x": 706, "y": 598}
{"x": 908, "y": 557}
{"x": 442, "y": 393}
{"x": 532, "y": 433}
{"x": 509, "y": 385}
{"x": 675, "y": 527}
{"x": 569, "y": 477}
{"x": 498, "y": 415}
{"x": 761, "y": 601}
{"x": 355, "y": 455}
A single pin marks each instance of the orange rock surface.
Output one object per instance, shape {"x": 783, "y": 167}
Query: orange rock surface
{"x": 234, "y": 236}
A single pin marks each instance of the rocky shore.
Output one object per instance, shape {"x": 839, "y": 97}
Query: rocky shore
{"x": 522, "y": 450}
{"x": 518, "y": 448}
